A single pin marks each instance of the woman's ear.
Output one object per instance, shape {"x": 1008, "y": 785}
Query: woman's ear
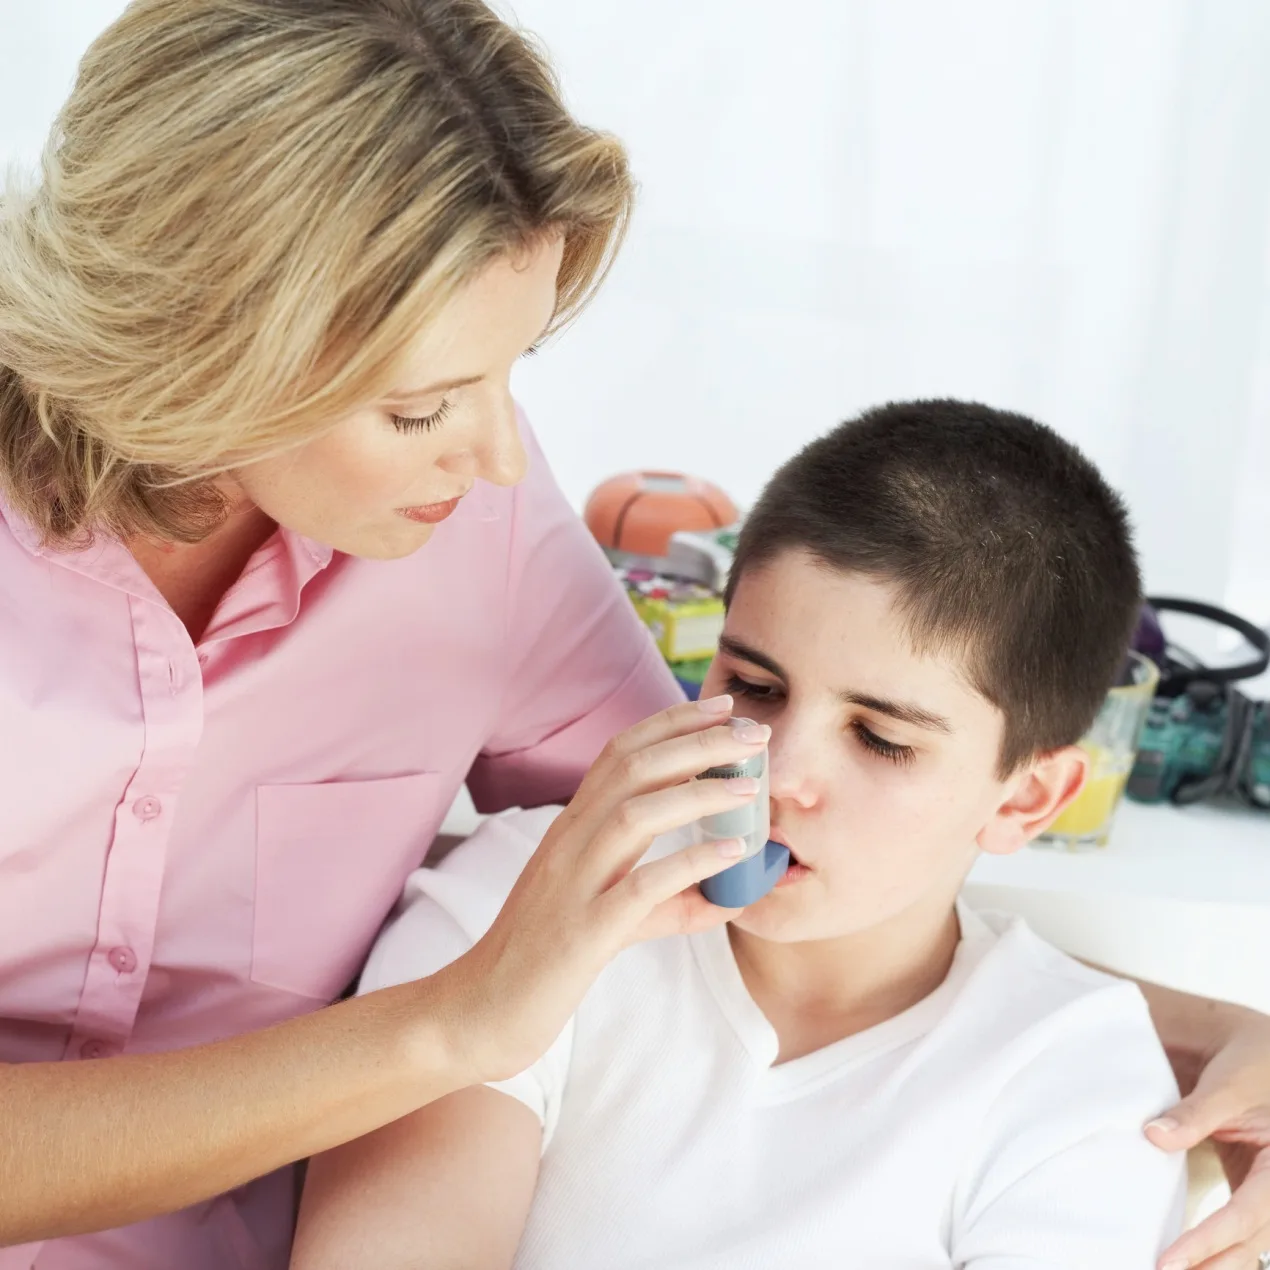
{"x": 1034, "y": 800}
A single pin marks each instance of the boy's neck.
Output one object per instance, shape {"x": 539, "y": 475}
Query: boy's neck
{"x": 818, "y": 992}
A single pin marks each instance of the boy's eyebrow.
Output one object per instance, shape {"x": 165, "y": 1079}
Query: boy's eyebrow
{"x": 744, "y": 652}
{"x": 904, "y": 711}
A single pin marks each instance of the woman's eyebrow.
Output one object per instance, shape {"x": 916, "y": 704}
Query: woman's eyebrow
{"x": 432, "y": 390}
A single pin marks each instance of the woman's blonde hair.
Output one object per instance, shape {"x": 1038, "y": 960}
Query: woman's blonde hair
{"x": 248, "y": 209}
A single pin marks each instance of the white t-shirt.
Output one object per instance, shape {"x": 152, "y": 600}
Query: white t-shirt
{"x": 997, "y": 1124}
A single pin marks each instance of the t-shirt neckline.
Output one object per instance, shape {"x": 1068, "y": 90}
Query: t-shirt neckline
{"x": 712, "y": 950}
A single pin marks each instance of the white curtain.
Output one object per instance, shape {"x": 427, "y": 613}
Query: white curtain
{"x": 1057, "y": 206}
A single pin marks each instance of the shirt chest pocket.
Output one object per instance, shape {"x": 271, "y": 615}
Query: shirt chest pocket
{"x": 331, "y": 860}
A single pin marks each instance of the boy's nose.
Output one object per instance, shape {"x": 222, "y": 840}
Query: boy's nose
{"x": 791, "y": 773}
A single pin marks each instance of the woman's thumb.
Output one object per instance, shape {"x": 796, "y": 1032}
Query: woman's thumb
{"x": 1190, "y": 1121}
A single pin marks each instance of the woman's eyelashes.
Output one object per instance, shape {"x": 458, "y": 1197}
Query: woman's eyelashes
{"x": 772, "y": 694}
{"x": 425, "y": 423}
{"x": 421, "y": 423}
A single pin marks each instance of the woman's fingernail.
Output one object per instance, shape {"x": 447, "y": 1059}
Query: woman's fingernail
{"x": 753, "y": 732}
{"x": 1175, "y": 1265}
{"x": 1165, "y": 1124}
{"x": 715, "y": 705}
{"x": 730, "y": 848}
{"x": 741, "y": 785}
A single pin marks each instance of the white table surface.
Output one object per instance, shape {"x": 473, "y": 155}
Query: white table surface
{"x": 1182, "y": 853}
{"x": 1179, "y": 895}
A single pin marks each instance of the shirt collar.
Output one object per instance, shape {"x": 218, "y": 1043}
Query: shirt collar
{"x": 22, "y": 530}
{"x": 108, "y": 560}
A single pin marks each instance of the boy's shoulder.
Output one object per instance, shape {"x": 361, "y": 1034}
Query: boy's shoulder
{"x": 1062, "y": 1067}
{"x": 1020, "y": 951}
{"x": 1057, "y": 1051}
{"x": 1026, "y": 995}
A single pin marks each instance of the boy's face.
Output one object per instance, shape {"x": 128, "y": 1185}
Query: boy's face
{"x": 883, "y": 763}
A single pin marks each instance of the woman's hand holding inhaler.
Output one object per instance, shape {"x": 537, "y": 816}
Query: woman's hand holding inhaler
{"x": 584, "y": 896}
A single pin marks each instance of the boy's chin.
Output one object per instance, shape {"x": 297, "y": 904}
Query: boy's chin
{"x": 782, "y": 916}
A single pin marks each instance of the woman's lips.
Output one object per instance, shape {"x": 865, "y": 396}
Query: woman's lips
{"x": 430, "y": 513}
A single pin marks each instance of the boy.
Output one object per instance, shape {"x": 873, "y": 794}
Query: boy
{"x": 927, "y": 607}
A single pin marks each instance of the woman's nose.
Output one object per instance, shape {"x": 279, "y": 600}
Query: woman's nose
{"x": 501, "y": 457}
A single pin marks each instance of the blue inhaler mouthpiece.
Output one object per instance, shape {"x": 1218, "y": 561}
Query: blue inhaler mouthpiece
{"x": 747, "y": 882}
{"x": 764, "y": 862}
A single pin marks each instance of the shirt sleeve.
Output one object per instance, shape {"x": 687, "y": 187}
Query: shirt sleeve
{"x": 445, "y": 910}
{"x": 579, "y": 664}
{"x": 1064, "y": 1178}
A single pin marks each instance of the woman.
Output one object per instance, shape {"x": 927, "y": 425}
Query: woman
{"x": 255, "y": 337}
{"x": 256, "y": 327}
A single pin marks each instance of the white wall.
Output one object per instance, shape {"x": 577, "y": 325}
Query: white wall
{"x": 40, "y": 43}
{"x": 1059, "y": 206}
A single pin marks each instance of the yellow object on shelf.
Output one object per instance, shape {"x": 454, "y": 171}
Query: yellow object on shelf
{"x": 1112, "y": 746}
{"x": 1090, "y": 813}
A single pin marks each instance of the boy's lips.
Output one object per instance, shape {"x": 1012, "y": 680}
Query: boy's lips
{"x": 775, "y": 835}
{"x": 795, "y": 873}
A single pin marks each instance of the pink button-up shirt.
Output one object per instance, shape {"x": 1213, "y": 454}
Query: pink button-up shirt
{"x": 198, "y": 841}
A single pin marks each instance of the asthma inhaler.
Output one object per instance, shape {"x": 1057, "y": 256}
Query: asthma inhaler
{"x": 764, "y": 862}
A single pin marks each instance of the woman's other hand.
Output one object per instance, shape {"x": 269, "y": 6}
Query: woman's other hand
{"x": 1230, "y": 1103}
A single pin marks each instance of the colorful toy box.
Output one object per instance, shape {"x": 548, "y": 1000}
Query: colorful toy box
{"x": 685, "y": 618}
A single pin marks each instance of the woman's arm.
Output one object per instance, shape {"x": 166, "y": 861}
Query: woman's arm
{"x": 1221, "y": 1056}
{"x": 1192, "y": 1029}
{"x": 447, "y": 1188}
{"x": 91, "y": 1145}
{"x": 95, "y": 1144}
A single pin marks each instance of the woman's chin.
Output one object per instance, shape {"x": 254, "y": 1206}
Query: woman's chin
{"x": 391, "y": 540}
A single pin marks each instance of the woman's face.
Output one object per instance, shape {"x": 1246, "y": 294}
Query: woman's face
{"x": 378, "y": 482}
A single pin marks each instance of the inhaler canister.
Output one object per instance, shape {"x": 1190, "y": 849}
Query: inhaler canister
{"x": 764, "y": 861}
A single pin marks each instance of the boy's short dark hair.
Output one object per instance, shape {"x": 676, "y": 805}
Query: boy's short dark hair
{"x": 1005, "y": 543}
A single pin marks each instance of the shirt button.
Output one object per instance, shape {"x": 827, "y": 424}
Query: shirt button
{"x": 123, "y": 960}
{"x": 204, "y": 658}
{"x": 146, "y": 808}
{"x": 94, "y": 1049}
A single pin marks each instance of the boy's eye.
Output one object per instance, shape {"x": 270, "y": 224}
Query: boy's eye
{"x": 739, "y": 687}
{"x": 901, "y": 754}
{"x": 421, "y": 423}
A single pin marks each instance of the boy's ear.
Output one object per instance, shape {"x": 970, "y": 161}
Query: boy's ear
{"x": 1036, "y": 797}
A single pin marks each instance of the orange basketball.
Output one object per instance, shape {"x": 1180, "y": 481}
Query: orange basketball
{"x": 637, "y": 512}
